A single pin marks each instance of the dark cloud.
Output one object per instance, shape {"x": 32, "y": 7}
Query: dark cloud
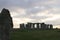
{"x": 22, "y": 3}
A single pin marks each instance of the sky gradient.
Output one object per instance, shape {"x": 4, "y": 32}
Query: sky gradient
{"x": 24, "y": 11}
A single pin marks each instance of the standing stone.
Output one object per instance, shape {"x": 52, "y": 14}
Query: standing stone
{"x": 1, "y": 31}
{"x": 47, "y": 26}
{"x": 33, "y": 26}
{"x": 6, "y": 24}
{"x": 37, "y": 25}
{"x": 22, "y": 26}
{"x": 29, "y": 25}
{"x": 51, "y": 26}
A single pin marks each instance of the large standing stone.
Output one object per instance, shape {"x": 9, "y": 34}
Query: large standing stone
{"x": 6, "y": 24}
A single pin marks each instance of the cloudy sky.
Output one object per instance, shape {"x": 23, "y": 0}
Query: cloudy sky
{"x": 24, "y": 11}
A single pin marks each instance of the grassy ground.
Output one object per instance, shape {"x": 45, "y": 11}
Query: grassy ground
{"x": 35, "y": 35}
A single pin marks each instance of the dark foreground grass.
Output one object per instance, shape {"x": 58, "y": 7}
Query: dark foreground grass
{"x": 35, "y": 35}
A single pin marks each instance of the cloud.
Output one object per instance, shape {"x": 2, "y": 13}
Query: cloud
{"x": 23, "y": 11}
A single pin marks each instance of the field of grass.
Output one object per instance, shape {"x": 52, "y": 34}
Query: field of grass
{"x": 35, "y": 35}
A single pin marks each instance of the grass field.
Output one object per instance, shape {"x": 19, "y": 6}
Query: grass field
{"x": 35, "y": 35}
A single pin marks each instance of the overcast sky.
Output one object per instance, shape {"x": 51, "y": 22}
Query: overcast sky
{"x": 24, "y": 11}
